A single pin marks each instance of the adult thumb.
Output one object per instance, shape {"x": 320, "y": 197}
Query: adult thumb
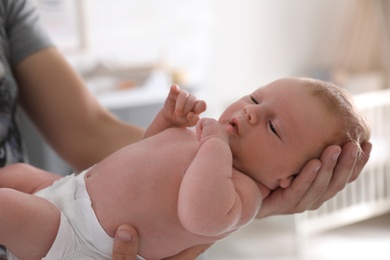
{"x": 125, "y": 243}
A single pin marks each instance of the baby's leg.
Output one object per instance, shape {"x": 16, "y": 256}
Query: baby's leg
{"x": 28, "y": 224}
{"x": 26, "y": 178}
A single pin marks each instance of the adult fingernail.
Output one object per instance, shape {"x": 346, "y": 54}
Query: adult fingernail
{"x": 336, "y": 156}
{"x": 355, "y": 153}
{"x": 124, "y": 235}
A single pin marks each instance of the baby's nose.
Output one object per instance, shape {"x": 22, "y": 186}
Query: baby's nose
{"x": 250, "y": 115}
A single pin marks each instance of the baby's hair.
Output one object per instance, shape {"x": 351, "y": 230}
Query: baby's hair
{"x": 339, "y": 102}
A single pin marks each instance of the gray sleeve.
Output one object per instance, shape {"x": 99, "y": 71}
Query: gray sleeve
{"x": 25, "y": 32}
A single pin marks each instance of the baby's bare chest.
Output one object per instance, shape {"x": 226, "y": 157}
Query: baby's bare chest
{"x": 144, "y": 176}
{"x": 144, "y": 187}
{"x": 171, "y": 151}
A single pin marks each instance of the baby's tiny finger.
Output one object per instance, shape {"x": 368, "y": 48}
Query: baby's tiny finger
{"x": 173, "y": 92}
{"x": 180, "y": 102}
{"x": 190, "y": 104}
{"x": 200, "y": 106}
{"x": 192, "y": 119}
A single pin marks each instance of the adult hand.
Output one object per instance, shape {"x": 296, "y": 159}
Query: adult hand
{"x": 126, "y": 246}
{"x": 318, "y": 181}
{"x": 125, "y": 243}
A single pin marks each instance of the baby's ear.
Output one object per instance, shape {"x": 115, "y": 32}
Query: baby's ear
{"x": 284, "y": 183}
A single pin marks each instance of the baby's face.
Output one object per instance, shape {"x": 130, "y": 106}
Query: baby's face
{"x": 275, "y": 130}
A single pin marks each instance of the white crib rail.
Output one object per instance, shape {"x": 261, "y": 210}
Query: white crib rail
{"x": 369, "y": 195}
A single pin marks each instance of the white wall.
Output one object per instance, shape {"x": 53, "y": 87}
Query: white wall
{"x": 228, "y": 47}
{"x": 255, "y": 42}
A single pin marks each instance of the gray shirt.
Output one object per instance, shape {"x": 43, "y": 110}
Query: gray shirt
{"x": 21, "y": 34}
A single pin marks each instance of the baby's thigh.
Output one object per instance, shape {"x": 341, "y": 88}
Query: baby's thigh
{"x": 28, "y": 224}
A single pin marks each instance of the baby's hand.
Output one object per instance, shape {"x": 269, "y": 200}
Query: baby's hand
{"x": 181, "y": 108}
{"x": 210, "y": 128}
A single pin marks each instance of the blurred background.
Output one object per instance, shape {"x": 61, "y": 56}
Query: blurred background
{"x": 228, "y": 48}
{"x": 129, "y": 52}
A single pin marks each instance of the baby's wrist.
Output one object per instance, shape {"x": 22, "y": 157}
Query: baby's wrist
{"x": 217, "y": 139}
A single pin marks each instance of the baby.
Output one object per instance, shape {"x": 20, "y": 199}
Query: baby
{"x": 178, "y": 187}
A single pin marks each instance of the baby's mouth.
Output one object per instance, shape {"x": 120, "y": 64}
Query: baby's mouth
{"x": 234, "y": 125}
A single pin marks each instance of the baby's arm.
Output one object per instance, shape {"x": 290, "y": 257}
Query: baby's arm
{"x": 214, "y": 198}
{"x": 181, "y": 109}
{"x": 26, "y": 178}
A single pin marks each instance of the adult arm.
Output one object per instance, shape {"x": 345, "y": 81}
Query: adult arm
{"x": 66, "y": 112}
{"x": 68, "y": 115}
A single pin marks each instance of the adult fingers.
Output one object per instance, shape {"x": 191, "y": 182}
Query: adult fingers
{"x": 125, "y": 244}
{"x": 305, "y": 190}
{"x": 289, "y": 200}
{"x": 339, "y": 169}
{"x": 321, "y": 182}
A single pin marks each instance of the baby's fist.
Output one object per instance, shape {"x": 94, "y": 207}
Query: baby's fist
{"x": 183, "y": 108}
{"x": 207, "y": 128}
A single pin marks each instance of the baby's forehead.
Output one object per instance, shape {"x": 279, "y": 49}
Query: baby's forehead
{"x": 261, "y": 90}
{"x": 283, "y": 83}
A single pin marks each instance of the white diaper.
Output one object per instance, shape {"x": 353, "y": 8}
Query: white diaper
{"x": 80, "y": 235}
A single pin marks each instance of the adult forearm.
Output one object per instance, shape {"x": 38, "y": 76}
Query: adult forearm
{"x": 66, "y": 112}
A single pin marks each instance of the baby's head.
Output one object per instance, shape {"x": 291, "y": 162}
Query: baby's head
{"x": 340, "y": 104}
{"x": 277, "y": 129}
